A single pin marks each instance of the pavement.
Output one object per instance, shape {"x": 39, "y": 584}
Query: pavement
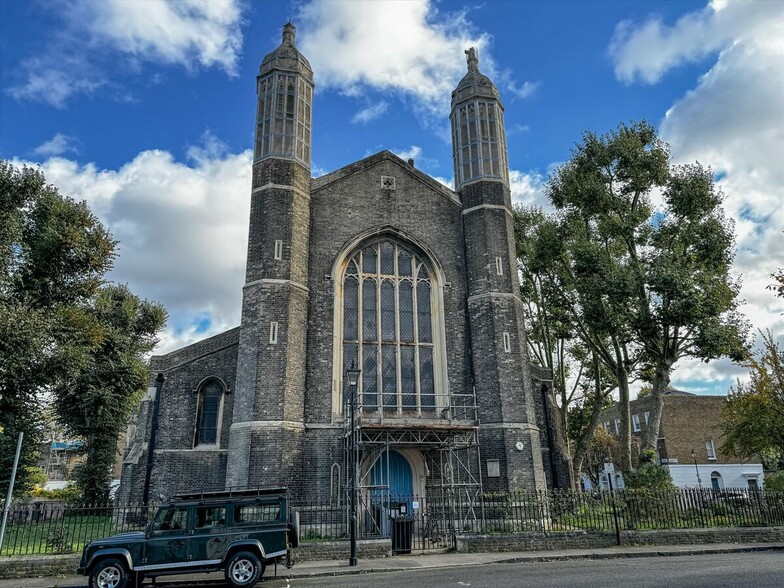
{"x": 431, "y": 560}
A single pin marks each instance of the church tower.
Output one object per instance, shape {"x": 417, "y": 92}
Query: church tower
{"x": 268, "y": 416}
{"x": 509, "y": 435}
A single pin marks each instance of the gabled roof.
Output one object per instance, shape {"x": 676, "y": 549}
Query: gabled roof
{"x": 368, "y": 162}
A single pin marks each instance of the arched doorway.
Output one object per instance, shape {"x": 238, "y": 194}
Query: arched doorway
{"x": 392, "y": 488}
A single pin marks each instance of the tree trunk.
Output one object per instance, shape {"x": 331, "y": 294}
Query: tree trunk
{"x": 661, "y": 381}
{"x": 585, "y": 439}
{"x": 625, "y": 438}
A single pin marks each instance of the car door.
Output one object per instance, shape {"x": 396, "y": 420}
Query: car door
{"x": 264, "y": 521}
{"x": 208, "y": 540}
{"x": 167, "y": 543}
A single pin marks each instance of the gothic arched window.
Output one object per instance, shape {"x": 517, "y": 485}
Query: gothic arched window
{"x": 208, "y": 412}
{"x": 388, "y": 328}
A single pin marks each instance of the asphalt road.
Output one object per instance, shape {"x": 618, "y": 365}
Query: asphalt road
{"x": 758, "y": 570}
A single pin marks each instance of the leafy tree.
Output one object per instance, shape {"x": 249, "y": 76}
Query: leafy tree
{"x": 778, "y": 283}
{"x": 596, "y": 384}
{"x": 688, "y": 299}
{"x": 53, "y": 254}
{"x": 96, "y": 404}
{"x": 644, "y": 289}
{"x": 64, "y": 334}
{"x": 550, "y": 337}
{"x": 753, "y": 415}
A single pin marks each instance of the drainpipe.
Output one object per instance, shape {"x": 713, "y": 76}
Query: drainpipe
{"x": 153, "y": 437}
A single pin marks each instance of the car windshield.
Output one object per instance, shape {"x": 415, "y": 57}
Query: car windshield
{"x": 171, "y": 518}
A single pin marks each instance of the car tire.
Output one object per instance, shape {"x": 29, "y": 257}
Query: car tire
{"x": 243, "y": 570}
{"x": 110, "y": 573}
{"x": 294, "y": 528}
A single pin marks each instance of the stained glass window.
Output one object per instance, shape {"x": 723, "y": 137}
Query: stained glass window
{"x": 392, "y": 311}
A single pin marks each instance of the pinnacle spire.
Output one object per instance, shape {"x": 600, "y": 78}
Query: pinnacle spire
{"x": 288, "y": 33}
{"x": 472, "y": 59}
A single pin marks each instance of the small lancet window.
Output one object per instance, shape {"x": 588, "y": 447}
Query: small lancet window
{"x": 208, "y": 413}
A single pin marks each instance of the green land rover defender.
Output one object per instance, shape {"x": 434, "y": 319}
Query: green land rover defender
{"x": 239, "y": 532}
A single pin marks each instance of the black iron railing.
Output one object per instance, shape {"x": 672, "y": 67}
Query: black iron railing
{"x": 417, "y": 524}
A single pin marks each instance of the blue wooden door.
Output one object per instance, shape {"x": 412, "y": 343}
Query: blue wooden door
{"x": 401, "y": 481}
{"x": 401, "y": 487}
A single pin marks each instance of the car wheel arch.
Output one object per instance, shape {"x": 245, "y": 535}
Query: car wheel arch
{"x": 254, "y": 546}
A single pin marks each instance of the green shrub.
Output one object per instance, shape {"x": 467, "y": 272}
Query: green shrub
{"x": 775, "y": 481}
{"x": 648, "y": 476}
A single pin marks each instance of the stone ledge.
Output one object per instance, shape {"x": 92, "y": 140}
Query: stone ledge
{"x": 586, "y": 539}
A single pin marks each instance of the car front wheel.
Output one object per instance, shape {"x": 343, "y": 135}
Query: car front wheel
{"x": 110, "y": 573}
{"x": 243, "y": 570}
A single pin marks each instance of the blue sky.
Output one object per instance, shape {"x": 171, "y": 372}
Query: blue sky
{"x": 145, "y": 109}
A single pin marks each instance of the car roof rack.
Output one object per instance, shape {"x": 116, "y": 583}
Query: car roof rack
{"x": 231, "y": 492}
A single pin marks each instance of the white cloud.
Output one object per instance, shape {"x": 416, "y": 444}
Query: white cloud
{"x": 404, "y": 47}
{"x": 173, "y": 31}
{"x": 411, "y": 153}
{"x": 528, "y": 189}
{"x": 57, "y": 145}
{"x": 523, "y": 91}
{"x": 182, "y": 231}
{"x": 733, "y": 120}
{"x": 647, "y": 51}
{"x": 94, "y": 36}
{"x": 370, "y": 113}
{"x": 54, "y": 82}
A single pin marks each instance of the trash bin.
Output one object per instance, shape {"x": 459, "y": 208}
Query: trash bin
{"x": 402, "y": 533}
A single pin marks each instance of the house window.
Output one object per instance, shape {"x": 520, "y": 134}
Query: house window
{"x": 273, "y": 333}
{"x": 507, "y": 343}
{"x": 617, "y": 426}
{"x": 645, "y": 417}
{"x": 711, "y": 449}
{"x": 278, "y": 249}
{"x": 208, "y": 413}
{"x": 716, "y": 481}
{"x": 499, "y": 266}
{"x": 636, "y": 422}
{"x": 389, "y": 328}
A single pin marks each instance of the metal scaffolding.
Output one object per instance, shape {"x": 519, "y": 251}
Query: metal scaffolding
{"x": 446, "y": 436}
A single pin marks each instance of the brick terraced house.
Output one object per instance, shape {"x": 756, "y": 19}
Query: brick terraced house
{"x": 377, "y": 266}
{"x": 690, "y": 439}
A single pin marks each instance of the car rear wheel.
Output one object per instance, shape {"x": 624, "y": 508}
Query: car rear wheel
{"x": 110, "y": 573}
{"x": 243, "y": 570}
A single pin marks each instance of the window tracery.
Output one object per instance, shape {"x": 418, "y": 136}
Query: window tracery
{"x": 388, "y": 302}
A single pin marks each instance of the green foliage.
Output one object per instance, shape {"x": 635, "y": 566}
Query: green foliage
{"x": 97, "y": 403}
{"x": 70, "y": 494}
{"x": 775, "y": 481}
{"x": 753, "y": 415}
{"x": 62, "y": 330}
{"x": 36, "y": 476}
{"x": 642, "y": 288}
{"x": 649, "y": 476}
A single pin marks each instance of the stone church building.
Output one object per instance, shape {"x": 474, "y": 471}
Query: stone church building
{"x": 375, "y": 267}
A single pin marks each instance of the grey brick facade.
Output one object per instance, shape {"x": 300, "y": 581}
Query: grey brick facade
{"x": 281, "y": 414}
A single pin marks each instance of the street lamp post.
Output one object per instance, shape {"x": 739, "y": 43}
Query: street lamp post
{"x": 352, "y": 378}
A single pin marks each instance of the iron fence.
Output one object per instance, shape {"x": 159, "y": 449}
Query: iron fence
{"x": 416, "y": 524}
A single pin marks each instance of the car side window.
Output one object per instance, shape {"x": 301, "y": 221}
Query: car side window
{"x": 210, "y": 517}
{"x": 245, "y": 514}
{"x": 171, "y": 519}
